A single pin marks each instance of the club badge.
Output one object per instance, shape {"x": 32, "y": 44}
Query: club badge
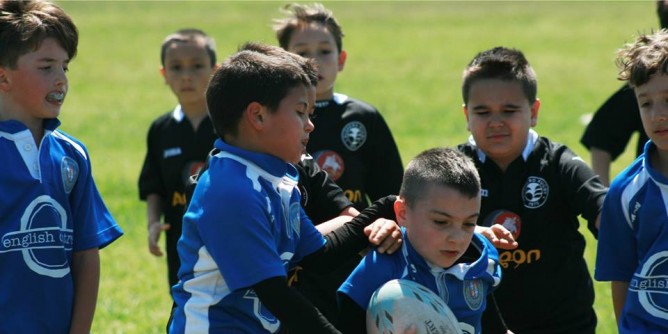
{"x": 353, "y": 135}
{"x": 69, "y": 172}
{"x": 331, "y": 162}
{"x": 535, "y": 192}
{"x": 473, "y": 293}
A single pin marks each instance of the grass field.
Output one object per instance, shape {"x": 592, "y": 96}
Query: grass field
{"x": 405, "y": 58}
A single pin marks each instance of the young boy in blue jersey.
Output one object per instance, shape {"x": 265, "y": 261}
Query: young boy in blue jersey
{"x": 438, "y": 206}
{"x": 633, "y": 236}
{"x": 52, "y": 219}
{"x": 535, "y": 187}
{"x": 178, "y": 141}
{"x": 245, "y": 228}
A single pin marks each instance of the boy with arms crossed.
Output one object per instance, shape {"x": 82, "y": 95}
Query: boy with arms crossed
{"x": 245, "y": 228}
{"x": 438, "y": 205}
{"x": 52, "y": 219}
{"x": 633, "y": 237}
{"x": 178, "y": 141}
{"x": 537, "y": 189}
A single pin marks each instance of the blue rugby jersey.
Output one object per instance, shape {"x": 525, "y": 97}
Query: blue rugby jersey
{"x": 463, "y": 287}
{"x": 633, "y": 244}
{"x": 244, "y": 225}
{"x": 49, "y": 209}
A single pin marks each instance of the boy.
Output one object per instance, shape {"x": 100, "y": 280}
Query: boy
{"x": 352, "y": 141}
{"x": 52, "y": 217}
{"x": 244, "y": 228}
{"x": 537, "y": 189}
{"x": 438, "y": 206}
{"x": 608, "y": 133}
{"x": 178, "y": 141}
{"x": 632, "y": 247}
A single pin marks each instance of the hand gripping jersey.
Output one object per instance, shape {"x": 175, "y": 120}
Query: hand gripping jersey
{"x": 546, "y": 286}
{"x": 354, "y": 145}
{"x": 49, "y": 209}
{"x": 174, "y": 152}
{"x": 463, "y": 287}
{"x": 244, "y": 225}
{"x": 633, "y": 244}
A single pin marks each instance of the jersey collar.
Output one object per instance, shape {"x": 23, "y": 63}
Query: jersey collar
{"x": 178, "y": 113}
{"x": 336, "y": 99}
{"x": 532, "y": 138}
{"x": 266, "y": 162}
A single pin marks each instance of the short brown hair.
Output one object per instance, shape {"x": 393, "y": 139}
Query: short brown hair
{"x": 300, "y": 15}
{"x": 186, "y": 35}
{"x": 25, "y": 24}
{"x": 644, "y": 57}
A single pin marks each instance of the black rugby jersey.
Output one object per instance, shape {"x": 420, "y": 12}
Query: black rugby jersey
{"x": 546, "y": 286}
{"x": 352, "y": 142}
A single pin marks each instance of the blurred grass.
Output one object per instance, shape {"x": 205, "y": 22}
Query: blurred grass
{"x": 405, "y": 58}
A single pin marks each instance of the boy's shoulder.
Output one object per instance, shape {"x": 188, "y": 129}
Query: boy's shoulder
{"x": 355, "y": 105}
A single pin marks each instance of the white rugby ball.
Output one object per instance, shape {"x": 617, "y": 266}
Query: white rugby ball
{"x": 400, "y": 302}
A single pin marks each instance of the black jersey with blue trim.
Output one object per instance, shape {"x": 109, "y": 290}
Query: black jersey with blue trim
{"x": 353, "y": 143}
{"x": 546, "y": 287}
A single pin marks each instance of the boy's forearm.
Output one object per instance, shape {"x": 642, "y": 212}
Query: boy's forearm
{"x": 619, "y": 290}
{"x": 86, "y": 277}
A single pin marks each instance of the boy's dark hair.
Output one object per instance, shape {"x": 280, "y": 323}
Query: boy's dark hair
{"x": 441, "y": 167}
{"x": 504, "y": 64}
{"x": 189, "y": 35}
{"x": 646, "y": 56}
{"x": 308, "y": 65}
{"x": 245, "y": 77}
{"x": 662, "y": 12}
{"x": 301, "y": 15}
{"x": 25, "y": 24}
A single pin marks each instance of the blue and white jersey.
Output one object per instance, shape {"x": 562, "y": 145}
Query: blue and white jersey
{"x": 633, "y": 244}
{"x": 463, "y": 287}
{"x": 49, "y": 208}
{"x": 244, "y": 225}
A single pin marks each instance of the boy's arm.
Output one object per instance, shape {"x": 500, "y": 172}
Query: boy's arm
{"x": 154, "y": 226}
{"x": 295, "y": 312}
{"x": 619, "y": 290}
{"x": 498, "y": 235}
{"x": 600, "y": 163}
{"x": 86, "y": 277}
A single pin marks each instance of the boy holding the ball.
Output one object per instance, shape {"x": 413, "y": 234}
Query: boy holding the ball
{"x": 438, "y": 207}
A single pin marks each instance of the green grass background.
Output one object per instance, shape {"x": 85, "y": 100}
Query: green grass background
{"x": 406, "y": 58}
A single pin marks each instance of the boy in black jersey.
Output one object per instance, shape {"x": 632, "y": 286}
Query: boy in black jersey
{"x": 351, "y": 140}
{"x": 536, "y": 188}
{"x": 179, "y": 140}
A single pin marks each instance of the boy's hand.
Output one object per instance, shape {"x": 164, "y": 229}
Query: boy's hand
{"x": 154, "y": 231}
{"x": 385, "y": 234}
{"x": 498, "y": 235}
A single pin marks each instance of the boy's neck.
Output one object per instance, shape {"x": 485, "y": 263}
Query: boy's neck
{"x": 659, "y": 161}
{"x": 326, "y": 96}
{"x": 35, "y": 125}
{"x": 195, "y": 112}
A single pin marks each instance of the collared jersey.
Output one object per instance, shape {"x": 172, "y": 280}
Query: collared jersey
{"x": 633, "y": 244}
{"x": 463, "y": 287}
{"x": 547, "y": 287}
{"x": 50, "y": 208}
{"x": 174, "y": 152}
{"x": 244, "y": 225}
{"x": 352, "y": 142}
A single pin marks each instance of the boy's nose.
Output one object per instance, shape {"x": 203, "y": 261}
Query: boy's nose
{"x": 309, "y": 126}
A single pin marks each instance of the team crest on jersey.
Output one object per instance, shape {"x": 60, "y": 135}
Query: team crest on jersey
{"x": 353, "y": 135}
{"x": 508, "y": 219}
{"x": 473, "y": 293}
{"x": 69, "y": 171}
{"x": 331, "y": 162}
{"x": 535, "y": 192}
{"x": 651, "y": 285}
{"x": 191, "y": 168}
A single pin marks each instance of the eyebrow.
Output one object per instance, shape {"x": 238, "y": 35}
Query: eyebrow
{"x": 443, "y": 213}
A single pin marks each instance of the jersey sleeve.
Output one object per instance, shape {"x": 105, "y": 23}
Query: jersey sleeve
{"x": 373, "y": 271}
{"x": 613, "y": 123}
{"x": 94, "y": 227}
{"x": 385, "y": 167}
{"x": 616, "y": 255}
{"x": 150, "y": 177}
{"x": 322, "y": 198}
{"x": 582, "y": 186}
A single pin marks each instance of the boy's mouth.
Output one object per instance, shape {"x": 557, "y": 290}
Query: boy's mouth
{"x": 55, "y": 97}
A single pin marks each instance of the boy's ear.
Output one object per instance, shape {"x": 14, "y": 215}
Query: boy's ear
{"x": 255, "y": 114}
{"x": 4, "y": 80}
{"x": 400, "y": 211}
{"x": 162, "y": 72}
{"x": 534, "y": 112}
{"x": 466, "y": 113}
{"x": 342, "y": 59}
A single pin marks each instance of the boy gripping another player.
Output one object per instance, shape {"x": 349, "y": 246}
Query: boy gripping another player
{"x": 52, "y": 219}
{"x": 633, "y": 237}
{"x": 438, "y": 205}
{"x": 178, "y": 141}
{"x": 537, "y": 189}
{"x": 245, "y": 228}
